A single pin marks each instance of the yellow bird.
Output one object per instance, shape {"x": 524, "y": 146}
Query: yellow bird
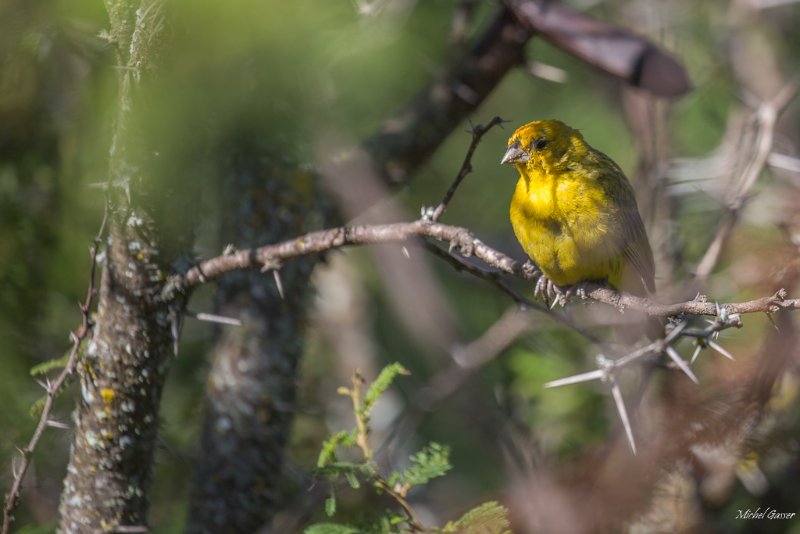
{"x": 574, "y": 211}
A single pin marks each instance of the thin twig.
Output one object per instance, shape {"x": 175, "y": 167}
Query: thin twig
{"x": 491, "y": 277}
{"x": 468, "y": 359}
{"x": 478, "y": 131}
{"x": 495, "y": 278}
{"x": 52, "y": 387}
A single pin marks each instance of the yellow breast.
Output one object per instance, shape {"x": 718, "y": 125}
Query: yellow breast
{"x": 565, "y": 224}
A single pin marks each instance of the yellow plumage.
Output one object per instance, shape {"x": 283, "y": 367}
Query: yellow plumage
{"x": 574, "y": 211}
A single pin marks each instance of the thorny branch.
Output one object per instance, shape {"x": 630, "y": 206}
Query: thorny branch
{"x": 607, "y": 368}
{"x": 52, "y": 387}
{"x": 270, "y": 257}
{"x": 494, "y": 277}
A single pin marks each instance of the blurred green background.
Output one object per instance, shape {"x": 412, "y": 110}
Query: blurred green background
{"x": 292, "y": 71}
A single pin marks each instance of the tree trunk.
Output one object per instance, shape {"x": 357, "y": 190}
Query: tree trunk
{"x": 122, "y": 375}
{"x": 251, "y": 385}
{"x": 123, "y": 368}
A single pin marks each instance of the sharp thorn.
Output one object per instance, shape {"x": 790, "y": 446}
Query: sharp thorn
{"x": 717, "y": 347}
{"x": 697, "y": 350}
{"x": 57, "y": 424}
{"x": 673, "y": 354}
{"x": 575, "y": 379}
{"x": 676, "y": 331}
{"x": 213, "y": 318}
{"x": 623, "y": 413}
{"x": 279, "y": 284}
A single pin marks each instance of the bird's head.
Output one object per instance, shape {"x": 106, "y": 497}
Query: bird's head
{"x": 545, "y": 145}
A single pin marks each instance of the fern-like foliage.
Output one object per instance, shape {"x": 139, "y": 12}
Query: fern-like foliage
{"x": 431, "y": 462}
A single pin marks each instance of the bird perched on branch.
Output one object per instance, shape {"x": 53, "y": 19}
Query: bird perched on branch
{"x": 574, "y": 212}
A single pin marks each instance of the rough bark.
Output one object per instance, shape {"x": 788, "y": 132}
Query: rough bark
{"x": 122, "y": 375}
{"x": 123, "y": 369}
{"x": 251, "y": 384}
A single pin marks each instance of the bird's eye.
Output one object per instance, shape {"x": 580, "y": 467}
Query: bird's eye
{"x": 540, "y": 144}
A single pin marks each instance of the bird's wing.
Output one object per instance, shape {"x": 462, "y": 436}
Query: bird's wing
{"x": 636, "y": 247}
{"x": 631, "y": 235}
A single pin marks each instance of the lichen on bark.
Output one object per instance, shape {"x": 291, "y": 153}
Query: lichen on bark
{"x": 123, "y": 369}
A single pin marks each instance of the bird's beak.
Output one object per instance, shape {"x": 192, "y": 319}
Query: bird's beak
{"x": 515, "y": 154}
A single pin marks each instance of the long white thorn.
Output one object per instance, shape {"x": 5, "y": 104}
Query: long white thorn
{"x": 214, "y": 318}
{"x": 717, "y": 347}
{"x": 575, "y": 379}
{"x": 697, "y": 350}
{"x": 623, "y": 413}
{"x": 673, "y": 354}
{"x": 57, "y": 424}
{"x": 279, "y": 283}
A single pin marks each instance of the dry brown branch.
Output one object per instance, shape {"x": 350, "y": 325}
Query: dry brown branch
{"x": 765, "y": 119}
{"x": 408, "y": 138}
{"x": 461, "y": 239}
{"x": 612, "y": 49}
{"x": 52, "y": 387}
{"x": 468, "y": 359}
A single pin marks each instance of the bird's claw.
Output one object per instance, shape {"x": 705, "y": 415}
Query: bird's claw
{"x": 554, "y": 295}
{"x": 551, "y": 293}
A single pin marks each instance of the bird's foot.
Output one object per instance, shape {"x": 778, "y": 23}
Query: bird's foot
{"x": 554, "y": 295}
{"x": 551, "y": 293}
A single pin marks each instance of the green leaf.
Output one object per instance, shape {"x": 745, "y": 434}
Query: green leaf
{"x": 330, "y": 528}
{"x": 431, "y": 462}
{"x": 330, "y": 504}
{"x": 352, "y": 480}
{"x": 381, "y": 384}
{"x": 385, "y": 523}
{"x": 49, "y": 365}
{"x": 488, "y": 518}
{"x": 327, "y": 454}
{"x": 395, "y": 518}
{"x": 336, "y": 469}
{"x": 38, "y": 407}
